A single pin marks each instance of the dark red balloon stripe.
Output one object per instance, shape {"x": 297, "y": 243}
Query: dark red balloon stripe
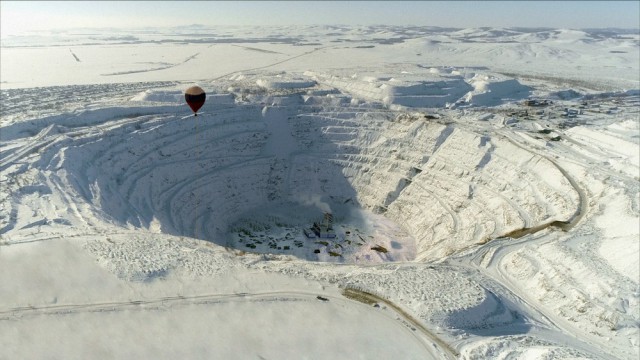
{"x": 195, "y": 102}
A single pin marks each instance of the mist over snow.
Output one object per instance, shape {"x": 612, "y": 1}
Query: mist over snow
{"x": 345, "y": 192}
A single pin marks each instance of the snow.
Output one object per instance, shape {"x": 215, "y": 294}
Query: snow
{"x": 468, "y": 224}
{"x": 621, "y": 229}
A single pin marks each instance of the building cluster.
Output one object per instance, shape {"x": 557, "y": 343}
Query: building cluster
{"x": 323, "y": 229}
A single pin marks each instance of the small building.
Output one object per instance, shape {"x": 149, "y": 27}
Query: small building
{"x": 323, "y": 229}
{"x": 534, "y": 102}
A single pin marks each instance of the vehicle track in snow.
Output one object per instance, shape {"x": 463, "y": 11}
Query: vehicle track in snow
{"x": 271, "y": 64}
{"x": 433, "y": 346}
{"x": 493, "y": 258}
{"x": 583, "y": 202}
{"x": 487, "y": 260}
{"x": 33, "y": 146}
{"x": 35, "y": 103}
{"x": 368, "y": 298}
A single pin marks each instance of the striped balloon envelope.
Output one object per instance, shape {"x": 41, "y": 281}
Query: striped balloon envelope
{"x": 195, "y": 98}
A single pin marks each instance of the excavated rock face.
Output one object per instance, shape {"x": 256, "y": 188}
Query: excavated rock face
{"x": 401, "y": 186}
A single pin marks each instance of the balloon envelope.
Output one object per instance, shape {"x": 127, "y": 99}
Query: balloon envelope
{"x": 195, "y": 97}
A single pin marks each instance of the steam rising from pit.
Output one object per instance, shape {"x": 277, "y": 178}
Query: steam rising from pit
{"x": 315, "y": 200}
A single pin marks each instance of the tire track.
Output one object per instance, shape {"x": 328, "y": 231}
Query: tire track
{"x": 488, "y": 262}
{"x": 270, "y": 65}
{"x": 351, "y": 296}
{"x": 169, "y": 66}
{"x": 370, "y": 299}
{"x": 583, "y": 201}
{"x": 33, "y": 146}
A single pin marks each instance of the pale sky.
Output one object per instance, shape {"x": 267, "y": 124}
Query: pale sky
{"x": 18, "y": 16}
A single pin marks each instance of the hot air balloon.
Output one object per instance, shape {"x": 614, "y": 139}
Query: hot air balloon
{"x": 195, "y": 98}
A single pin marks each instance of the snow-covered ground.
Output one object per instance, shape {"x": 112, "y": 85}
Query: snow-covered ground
{"x": 484, "y": 187}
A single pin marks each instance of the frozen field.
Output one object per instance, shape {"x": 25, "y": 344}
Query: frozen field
{"x": 483, "y": 185}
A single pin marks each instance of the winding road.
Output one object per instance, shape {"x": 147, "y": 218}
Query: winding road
{"x": 433, "y": 346}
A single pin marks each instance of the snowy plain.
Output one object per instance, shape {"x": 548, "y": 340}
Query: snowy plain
{"x": 484, "y": 186}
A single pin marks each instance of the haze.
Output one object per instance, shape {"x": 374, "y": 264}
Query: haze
{"x": 22, "y": 16}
